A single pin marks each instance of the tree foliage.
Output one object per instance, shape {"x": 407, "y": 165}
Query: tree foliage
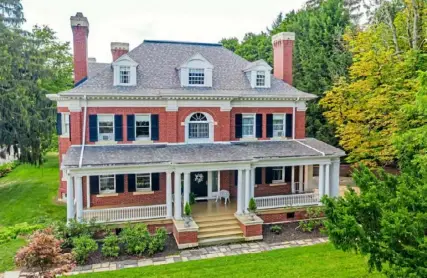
{"x": 32, "y": 65}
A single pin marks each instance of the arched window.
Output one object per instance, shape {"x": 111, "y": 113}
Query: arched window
{"x": 199, "y": 127}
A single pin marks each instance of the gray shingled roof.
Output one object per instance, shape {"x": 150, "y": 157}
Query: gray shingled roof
{"x": 196, "y": 153}
{"x": 94, "y": 68}
{"x": 157, "y": 73}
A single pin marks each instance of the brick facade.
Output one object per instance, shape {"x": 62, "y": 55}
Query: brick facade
{"x": 251, "y": 230}
{"x": 185, "y": 237}
{"x": 283, "y": 216}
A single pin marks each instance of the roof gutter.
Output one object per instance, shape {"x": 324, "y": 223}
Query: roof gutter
{"x": 84, "y": 132}
{"x": 293, "y": 119}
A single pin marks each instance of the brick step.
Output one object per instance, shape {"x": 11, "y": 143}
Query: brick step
{"x": 223, "y": 217}
{"x": 220, "y": 240}
{"x": 218, "y": 228}
{"x": 217, "y": 223}
{"x": 232, "y": 232}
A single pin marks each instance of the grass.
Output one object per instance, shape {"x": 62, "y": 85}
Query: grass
{"x": 321, "y": 260}
{"x": 27, "y": 194}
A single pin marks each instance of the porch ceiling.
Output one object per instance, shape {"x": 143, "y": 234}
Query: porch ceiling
{"x": 130, "y": 154}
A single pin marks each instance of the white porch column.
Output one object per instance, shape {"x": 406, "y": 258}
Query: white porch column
{"x": 177, "y": 192}
{"x": 321, "y": 180}
{"x": 247, "y": 189}
{"x": 293, "y": 180}
{"x": 300, "y": 176}
{"x": 186, "y": 188}
{"x": 169, "y": 194}
{"x": 79, "y": 198}
{"x": 335, "y": 177}
{"x": 70, "y": 198}
{"x": 239, "y": 192}
{"x": 306, "y": 177}
{"x": 253, "y": 182}
{"x": 87, "y": 192}
{"x": 327, "y": 185}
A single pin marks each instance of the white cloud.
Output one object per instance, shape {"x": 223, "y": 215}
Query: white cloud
{"x": 136, "y": 20}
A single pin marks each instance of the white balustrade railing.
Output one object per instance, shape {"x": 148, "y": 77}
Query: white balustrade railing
{"x": 281, "y": 201}
{"x": 125, "y": 214}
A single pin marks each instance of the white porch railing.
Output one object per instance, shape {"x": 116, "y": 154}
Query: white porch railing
{"x": 281, "y": 201}
{"x": 125, "y": 214}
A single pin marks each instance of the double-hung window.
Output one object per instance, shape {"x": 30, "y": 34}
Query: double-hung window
{"x": 142, "y": 127}
{"x": 248, "y": 125}
{"x": 196, "y": 76}
{"x": 143, "y": 182}
{"x": 65, "y": 125}
{"x": 260, "y": 79}
{"x": 279, "y": 125}
{"x": 124, "y": 74}
{"x": 107, "y": 184}
{"x": 278, "y": 174}
{"x": 198, "y": 127}
{"x": 106, "y": 127}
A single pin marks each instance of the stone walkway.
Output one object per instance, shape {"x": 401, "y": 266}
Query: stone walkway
{"x": 194, "y": 254}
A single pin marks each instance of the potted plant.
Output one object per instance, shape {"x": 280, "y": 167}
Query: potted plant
{"x": 187, "y": 215}
{"x": 252, "y": 208}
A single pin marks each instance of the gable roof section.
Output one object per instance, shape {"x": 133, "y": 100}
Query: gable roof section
{"x": 157, "y": 73}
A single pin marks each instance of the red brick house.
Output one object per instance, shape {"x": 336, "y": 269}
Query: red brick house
{"x": 192, "y": 118}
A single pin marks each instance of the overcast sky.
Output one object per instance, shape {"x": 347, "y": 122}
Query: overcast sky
{"x": 136, "y": 20}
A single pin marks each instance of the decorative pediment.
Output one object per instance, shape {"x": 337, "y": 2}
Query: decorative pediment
{"x": 125, "y": 60}
{"x": 258, "y": 65}
{"x": 124, "y": 71}
{"x": 196, "y": 61}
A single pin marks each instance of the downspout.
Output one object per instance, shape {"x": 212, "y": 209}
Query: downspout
{"x": 294, "y": 119}
{"x": 84, "y": 132}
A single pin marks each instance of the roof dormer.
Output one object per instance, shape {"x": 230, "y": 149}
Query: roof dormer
{"x": 259, "y": 74}
{"x": 124, "y": 71}
{"x": 196, "y": 72}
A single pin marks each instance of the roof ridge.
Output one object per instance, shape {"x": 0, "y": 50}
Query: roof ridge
{"x": 183, "y": 42}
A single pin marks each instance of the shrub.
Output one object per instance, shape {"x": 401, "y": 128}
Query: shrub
{"x": 314, "y": 220}
{"x": 9, "y": 233}
{"x": 135, "y": 238}
{"x": 111, "y": 246}
{"x": 192, "y": 198}
{"x": 67, "y": 232}
{"x": 44, "y": 253}
{"x": 157, "y": 242}
{"x": 187, "y": 209}
{"x": 83, "y": 246}
{"x": 6, "y": 168}
{"x": 276, "y": 229}
{"x": 252, "y": 206}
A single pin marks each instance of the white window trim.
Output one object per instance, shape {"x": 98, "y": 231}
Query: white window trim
{"x": 283, "y": 175}
{"x": 204, "y": 78}
{"x": 149, "y": 128}
{"x": 65, "y": 132}
{"x": 254, "y": 125}
{"x": 106, "y": 191}
{"x": 198, "y": 140}
{"x": 125, "y": 61}
{"x": 265, "y": 79}
{"x": 143, "y": 189}
{"x": 284, "y": 125}
{"x": 114, "y": 128}
{"x": 129, "y": 76}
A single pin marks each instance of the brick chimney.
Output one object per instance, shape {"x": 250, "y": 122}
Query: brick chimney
{"x": 283, "y": 45}
{"x": 80, "y": 27}
{"x": 118, "y": 49}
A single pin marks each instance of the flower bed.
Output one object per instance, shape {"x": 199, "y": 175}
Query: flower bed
{"x": 289, "y": 231}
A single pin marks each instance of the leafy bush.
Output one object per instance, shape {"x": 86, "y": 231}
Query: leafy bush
{"x": 157, "y": 242}
{"x": 252, "y": 206}
{"x": 111, "y": 246}
{"x": 187, "y": 209}
{"x": 6, "y": 168}
{"x": 9, "y": 233}
{"x": 43, "y": 253}
{"x": 192, "y": 198}
{"x": 314, "y": 220}
{"x": 135, "y": 238}
{"x": 276, "y": 229}
{"x": 83, "y": 246}
{"x": 74, "y": 229}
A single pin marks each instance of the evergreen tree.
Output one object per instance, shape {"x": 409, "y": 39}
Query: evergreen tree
{"x": 11, "y": 12}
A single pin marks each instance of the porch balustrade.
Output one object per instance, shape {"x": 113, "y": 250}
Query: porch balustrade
{"x": 125, "y": 214}
{"x": 281, "y": 201}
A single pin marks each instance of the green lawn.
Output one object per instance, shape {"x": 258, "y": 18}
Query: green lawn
{"x": 28, "y": 194}
{"x": 313, "y": 261}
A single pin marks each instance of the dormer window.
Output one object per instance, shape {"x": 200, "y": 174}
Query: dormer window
{"x": 124, "y": 75}
{"x": 196, "y": 77}
{"x": 260, "y": 78}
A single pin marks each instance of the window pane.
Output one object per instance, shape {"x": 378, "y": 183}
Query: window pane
{"x": 107, "y": 183}
{"x": 248, "y": 125}
{"x": 124, "y": 75}
{"x": 196, "y": 76}
{"x": 278, "y": 174}
{"x": 142, "y": 124}
{"x": 198, "y": 130}
{"x": 143, "y": 181}
{"x": 215, "y": 181}
{"x": 260, "y": 78}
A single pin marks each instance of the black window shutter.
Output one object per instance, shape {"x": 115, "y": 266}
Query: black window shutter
{"x": 238, "y": 125}
{"x": 236, "y": 177}
{"x": 120, "y": 183}
{"x": 154, "y": 127}
{"x": 269, "y": 125}
{"x": 93, "y": 128}
{"x": 288, "y": 173}
{"x": 131, "y": 182}
{"x": 131, "y": 127}
{"x": 69, "y": 127}
{"x": 118, "y": 127}
{"x": 269, "y": 175}
{"x": 258, "y": 131}
{"x": 155, "y": 181}
{"x": 59, "y": 123}
{"x": 94, "y": 184}
{"x": 258, "y": 175}
{"x": 289, "y": 125}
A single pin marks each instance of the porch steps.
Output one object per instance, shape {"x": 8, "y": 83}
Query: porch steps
{"x": 218, "y": 229}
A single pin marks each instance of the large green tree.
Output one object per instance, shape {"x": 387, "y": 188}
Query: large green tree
{"x": 32, "y": 65}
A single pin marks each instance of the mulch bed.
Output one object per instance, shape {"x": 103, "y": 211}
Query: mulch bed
{"x": 170, "y": 249}
{"x": 289, "y": 232}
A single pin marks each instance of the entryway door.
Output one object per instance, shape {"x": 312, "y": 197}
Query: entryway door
{"x": 205, "y": 185}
